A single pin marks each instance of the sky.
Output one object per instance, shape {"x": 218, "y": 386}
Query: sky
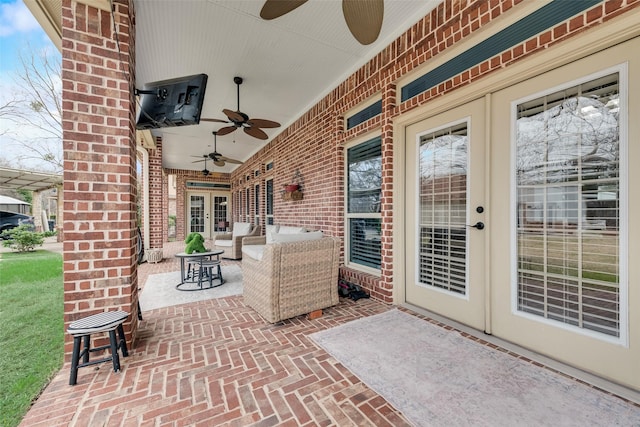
{"x": 19, "y": 31}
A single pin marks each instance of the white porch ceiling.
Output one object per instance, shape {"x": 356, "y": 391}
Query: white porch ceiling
{"x": 288, "y": 64}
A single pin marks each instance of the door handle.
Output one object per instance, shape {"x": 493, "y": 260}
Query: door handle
{"x": 479, "y": 225}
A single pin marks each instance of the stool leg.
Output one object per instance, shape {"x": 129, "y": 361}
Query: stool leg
{"x": 114, "y": 350}
{"x": 220, "y": 274}
{"x": 87, "y": 348}
{"x": 75, "y": 355}
{"x": 123, "y": 342}
{"x": 200, "y": 273}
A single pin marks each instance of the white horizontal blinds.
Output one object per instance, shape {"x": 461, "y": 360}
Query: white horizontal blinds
{"x": 364, "y": 184}
{"x": 443, "y": 208}
{"x": 568, "y": 206}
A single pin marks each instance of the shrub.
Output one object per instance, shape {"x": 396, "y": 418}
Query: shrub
{"x": 22, "y": 238}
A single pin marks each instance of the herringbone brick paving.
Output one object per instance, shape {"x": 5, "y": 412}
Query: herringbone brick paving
{"x": 217, "y": 363}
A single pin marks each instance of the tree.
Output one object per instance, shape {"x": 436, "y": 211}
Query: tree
{"x": 36, "y": 111}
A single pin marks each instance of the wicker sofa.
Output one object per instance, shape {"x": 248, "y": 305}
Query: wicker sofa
{"x": 231, "y": 243}
{"x": 287, "y": 279}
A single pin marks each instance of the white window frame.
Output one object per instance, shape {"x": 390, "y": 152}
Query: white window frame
{"x": 348, "y": 216}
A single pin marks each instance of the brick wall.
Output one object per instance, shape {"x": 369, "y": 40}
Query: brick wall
{"x": 99, "y": 163}
{"x": 314, "y": 143}
{"x": 157, "y": 208}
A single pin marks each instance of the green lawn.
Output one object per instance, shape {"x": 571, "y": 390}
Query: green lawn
{"x": 31, "y": 329}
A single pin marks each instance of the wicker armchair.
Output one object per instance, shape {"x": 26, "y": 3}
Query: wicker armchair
{"x": 231, "y": 243}
{"x": 290, "y": 279}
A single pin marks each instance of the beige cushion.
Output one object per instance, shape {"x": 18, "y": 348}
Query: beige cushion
{"x": 225, "y": 243}
{"x": 253, "y": 251}
{"x": 296, "y": 237}
{"x": 241, "y": 228}
{"x": 286, "y": 229}
{"x": 270, "y": 230}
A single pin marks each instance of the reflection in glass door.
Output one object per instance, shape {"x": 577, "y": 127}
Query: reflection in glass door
{"x": 220, "y": 221}
{"x": 443, "y": 209}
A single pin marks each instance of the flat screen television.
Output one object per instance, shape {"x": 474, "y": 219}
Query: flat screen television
{"x": 173, "y": 102}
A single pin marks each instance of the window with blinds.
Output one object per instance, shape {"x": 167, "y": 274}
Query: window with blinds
{"x": 568, "y": 199}
{"x": 268, "y": 197}
{"x": 443, "y": 208}
{"x": 247, "y": 198}
{"x": 364, "y": 183}
{"x": 256, "y": 203}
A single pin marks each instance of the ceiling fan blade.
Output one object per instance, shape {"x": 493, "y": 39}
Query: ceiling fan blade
{"x": 219, "y": 163}
{"x": 262, "y": 123}
{"x": 364, "y": 18}
{"x": 275, "y": 8}
{"x": 234, "y": 116}
{"x": 199, "y": 161}
{"x": 226, "y": 130}
{"x": 228, "y": 160}
{"x": 214, "y": 120}
{"x": 256, "y": 133}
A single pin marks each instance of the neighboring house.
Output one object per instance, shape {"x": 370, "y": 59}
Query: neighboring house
{"x": 530, "y": 109}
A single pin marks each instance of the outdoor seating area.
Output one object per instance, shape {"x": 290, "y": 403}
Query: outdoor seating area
{"x": 231, "y": 243}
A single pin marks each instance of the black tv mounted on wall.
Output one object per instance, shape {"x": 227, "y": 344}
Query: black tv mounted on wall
{"x": 173, "y": 102}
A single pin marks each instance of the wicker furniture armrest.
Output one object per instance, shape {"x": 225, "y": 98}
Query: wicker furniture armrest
{"x": 225, "y": 236}
{"x": 254, "y": 240}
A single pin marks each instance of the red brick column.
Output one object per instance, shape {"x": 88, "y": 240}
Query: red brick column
{"x": 157, "y": 218}
{"x": 165, "y": 207}
{"x": 100, "y": 263}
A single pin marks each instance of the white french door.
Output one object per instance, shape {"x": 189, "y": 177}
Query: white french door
{"x": 198, "y": 214}
{"x": 207, "y": 213}
{"x": 446, "y": 214}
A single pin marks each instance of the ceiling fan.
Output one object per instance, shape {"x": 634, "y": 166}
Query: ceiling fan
{"x": 238, "y": 119}
{"x": 205, "y": 171}
{"x": 364, "y": 17}
{"x": 218, "y": 159}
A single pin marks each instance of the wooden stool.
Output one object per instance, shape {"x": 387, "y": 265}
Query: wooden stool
{"x": 109, "y": 321}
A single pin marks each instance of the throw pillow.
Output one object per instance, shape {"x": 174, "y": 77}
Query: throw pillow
{"x": 287, "y": 229}
{"x": 241, "y": 229}
{"x": 296, "y": 237}
{"x": 270, "y": 231}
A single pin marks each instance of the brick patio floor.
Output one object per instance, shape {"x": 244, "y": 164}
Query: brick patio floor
{"x": 217, "y": 363}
